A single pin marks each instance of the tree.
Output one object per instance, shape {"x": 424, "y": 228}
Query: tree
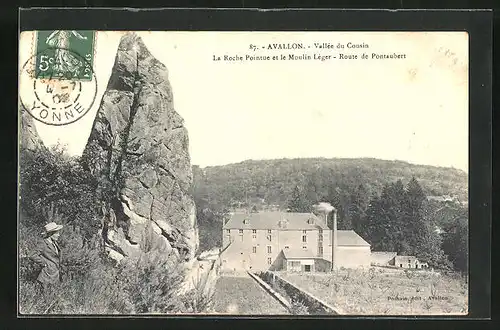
{"x": 390, "y": 231}
{"x": 422, "y": 239}
{"x": 336, "y": 197}
{"x": 210, "y": 212}
{"x": 414, "y": 227}
{"x": 375, "y": 230}
{"x": 297, "y": 202}
{"x": 356, "y": 211}
{"x": 386, "y": 226}
{"x": 455, "y": 243}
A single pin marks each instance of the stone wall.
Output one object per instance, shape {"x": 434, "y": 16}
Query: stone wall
{"x": 314, "y": 305}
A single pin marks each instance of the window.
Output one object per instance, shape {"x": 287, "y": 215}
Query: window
{"x": 228, "y": 231}
{"x": 320, "y": 250}
{"x": 304, "y": 232}
{"x": 254, "y": 249}
{"x": 269, "y": 231}
{"x": 269, "y": 238}
{"x": 245, "y": 222}
{"x": 268, "y": 249}
{"x": 269, "y": 261}
{"x": 321, "y": 231}
{"x": 400, "y": 265}
{"x": 241, "y": 231}
{"x": 304, "y": 247}
{"x": 286, "y": 247}
{"x": 254, "y": 231}
{"x": 320, "y": 237}
{"x": 254, "y": 236}
{"x": 304, "y": 238}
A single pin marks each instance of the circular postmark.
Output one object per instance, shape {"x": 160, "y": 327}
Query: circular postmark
{"x": 57, "y": 86}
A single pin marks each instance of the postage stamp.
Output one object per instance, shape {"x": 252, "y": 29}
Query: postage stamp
{"x": 64, "y": 54}
{"x": 57, "y": 83}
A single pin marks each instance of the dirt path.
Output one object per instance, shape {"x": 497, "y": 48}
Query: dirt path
{"x": 242, "y": 295}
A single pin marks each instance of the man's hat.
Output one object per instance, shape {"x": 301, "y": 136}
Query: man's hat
{"x": 52, "y": 227}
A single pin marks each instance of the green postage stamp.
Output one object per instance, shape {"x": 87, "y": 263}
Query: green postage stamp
{"x": 57, "y": 83}
{"x": 64, "y": 54}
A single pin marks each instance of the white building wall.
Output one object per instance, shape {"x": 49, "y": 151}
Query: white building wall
{"x": 350, "y": 256}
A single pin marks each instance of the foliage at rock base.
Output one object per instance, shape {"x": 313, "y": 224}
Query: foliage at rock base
{"x": 92, "y": 283}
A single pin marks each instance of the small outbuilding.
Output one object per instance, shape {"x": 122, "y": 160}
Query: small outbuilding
{"x": 298, "y": 260}
{"x": 408, "y": 262}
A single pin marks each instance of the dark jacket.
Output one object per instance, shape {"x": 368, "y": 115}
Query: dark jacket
{"x": 48, "y": 255}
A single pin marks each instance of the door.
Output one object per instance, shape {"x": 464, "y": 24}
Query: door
{"x": 307, "y": 268}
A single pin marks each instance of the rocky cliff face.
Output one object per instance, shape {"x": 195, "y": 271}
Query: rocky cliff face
{"x": 28, "y": 136}
{"x": 138, "y": 146}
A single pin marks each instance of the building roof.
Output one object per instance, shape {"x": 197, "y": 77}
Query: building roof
{"x": 350, "y": 238}
{"x": 382, "y": 256}
{"x": 298, "y": 254}
{"x": 273, "y": 220}
{"x": 406, "y": 257}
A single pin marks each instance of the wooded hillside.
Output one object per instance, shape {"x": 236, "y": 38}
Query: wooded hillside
{"x": 384, "y": 201}
{"x": 274, "y": 180}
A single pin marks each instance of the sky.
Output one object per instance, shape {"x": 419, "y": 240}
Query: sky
{"x": 413, "y": 109}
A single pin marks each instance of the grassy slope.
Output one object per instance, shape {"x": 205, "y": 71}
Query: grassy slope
{"x": 363, "y": 292}
{"x": 242, "y": 295}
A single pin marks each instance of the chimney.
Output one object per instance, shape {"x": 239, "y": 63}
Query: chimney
{"x": 334, "y": 239}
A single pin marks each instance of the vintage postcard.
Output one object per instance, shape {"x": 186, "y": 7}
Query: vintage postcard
{"x": 243, "y": 173}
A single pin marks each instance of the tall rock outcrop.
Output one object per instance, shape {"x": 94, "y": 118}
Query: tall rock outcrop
{"x": 138, "y": 147}
{"x": 28, "y": 136}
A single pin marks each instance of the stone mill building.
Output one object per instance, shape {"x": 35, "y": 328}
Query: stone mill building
{"x": 290, "y": 241}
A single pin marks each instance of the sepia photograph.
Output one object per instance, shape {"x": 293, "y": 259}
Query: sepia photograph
{"x": 243, "y": 173}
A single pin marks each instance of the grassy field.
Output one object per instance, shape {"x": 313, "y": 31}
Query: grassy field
{"x": 380, "y": 291}
{"x": 242, "y": 295}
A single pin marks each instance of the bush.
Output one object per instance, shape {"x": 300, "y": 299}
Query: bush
{"x": 30, "y": 298}
{"x": 28, "y": 269}
{"x": 152, "y": 282}
{"x": 88, "y": 280}
{"x": 91, "y": 282}
{"x": 79, "y": 255}
{"x": 200, "y": 299}
{"x": 51, "y": 177}
{"x": 298, "y": 307}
